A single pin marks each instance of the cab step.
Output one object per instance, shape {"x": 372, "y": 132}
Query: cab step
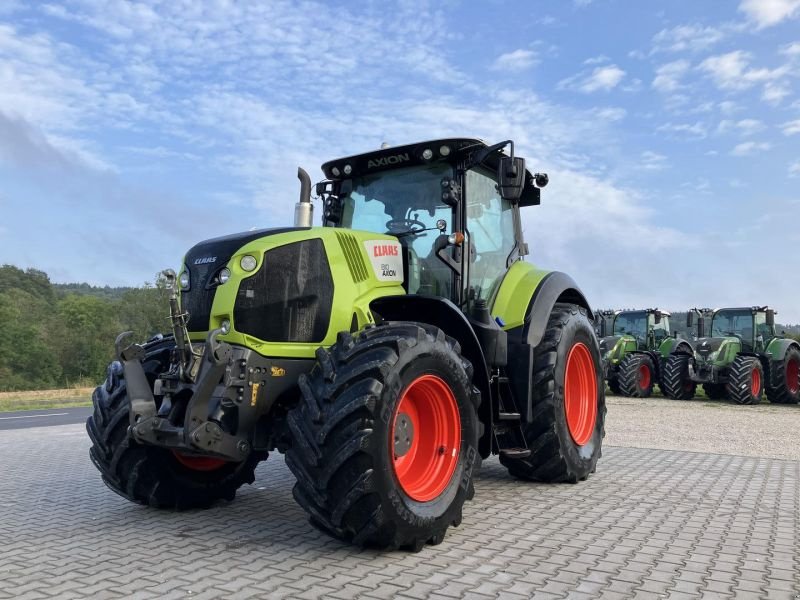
{"x": 515, "y": 452}
{"x": 508, "y": 416}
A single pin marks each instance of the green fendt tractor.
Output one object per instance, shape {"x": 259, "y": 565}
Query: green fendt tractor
{"x": 385, "y": 353}
{"x": 741, "y": 359}
{"x": 634, "y": 345}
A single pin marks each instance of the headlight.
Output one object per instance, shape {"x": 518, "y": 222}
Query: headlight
{"x": 248, "y": 263}
{"x": 225, "y": 326}
{"x": 224, "y": 275}
{"x": 183, "y": 280}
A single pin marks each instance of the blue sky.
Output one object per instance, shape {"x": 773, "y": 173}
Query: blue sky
{"x": 671, "y": 130}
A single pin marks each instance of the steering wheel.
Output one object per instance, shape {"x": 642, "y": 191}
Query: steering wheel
{"x": 403, "y": 225}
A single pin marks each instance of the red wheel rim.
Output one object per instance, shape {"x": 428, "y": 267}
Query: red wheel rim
{"x": 199, "y": 463}
{"x": 644, "y": 377}
{"x": 425, "y": 460}
{"x": 580, "y": 394}
{"x": 755, "y": 382}
{"x": 793, "y": 376}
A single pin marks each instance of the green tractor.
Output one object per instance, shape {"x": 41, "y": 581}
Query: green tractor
{"x": 742, "y": 357}
{"x": 635, "y": 345}
{"x": 385, "y": 353}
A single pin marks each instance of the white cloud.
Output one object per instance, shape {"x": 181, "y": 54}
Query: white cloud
{"x": 596, "y": 60}
{"x": 743, "y": 127}
{"x": 775, "y": 92}
{"x": 600, "y": 79}
{"x": 683, "y": 38}
{"x": 766, "y": 13}
{"x": 791, "y": 127}
{"x": 652, "y": 161}
{"x": 668, "y": 76}
{"x": 684, "y": 130}
{"x": 750, "y": 148}
{"x": 518, "y": 60}
{"x": 794, "y": 169}
{"x": 731, "y": 71}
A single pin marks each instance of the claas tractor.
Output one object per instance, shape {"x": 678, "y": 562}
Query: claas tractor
{"x": 634, "y": 345}
{"x": 385, "y": 353}
{"x": 740, "y": 358}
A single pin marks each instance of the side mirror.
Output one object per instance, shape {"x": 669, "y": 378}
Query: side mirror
{"x": 511, "y": 175}
{"x": 770, "y": 317}
{"x": 690, "y": 319}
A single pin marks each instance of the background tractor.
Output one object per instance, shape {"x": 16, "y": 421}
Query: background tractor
{"x": 385, "y": 353}
{"x": 740, "y": 359}
{"x": 635, "y": 345}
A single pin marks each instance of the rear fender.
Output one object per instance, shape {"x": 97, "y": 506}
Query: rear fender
{"x": 778, "y": 348}
{"x": 445, "y": 315}
{"x": 526, "y": 298}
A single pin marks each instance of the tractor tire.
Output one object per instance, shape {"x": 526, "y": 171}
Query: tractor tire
{"x": 148, "y": 474}
{"x": 613, "y": 385}
{"x": 637, "y": 376}
{"x": 569, "y": 406}
{"x": 785, "y": 388}
{"x": 385, "y": 437}
{"x": 746, "y": 380}
{"x": 675, "y": 382}
{"x": 715, "y": 391}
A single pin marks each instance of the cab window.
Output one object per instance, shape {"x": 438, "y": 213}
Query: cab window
{"x": 490, "y": 225}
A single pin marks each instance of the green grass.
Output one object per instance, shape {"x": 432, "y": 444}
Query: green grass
{"x": 45, "y": 399}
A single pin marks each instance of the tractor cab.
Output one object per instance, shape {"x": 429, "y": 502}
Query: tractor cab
{"x": 453, "y": 205}
{"x": 648, "y": 327}
{"x": 752, "y": 327}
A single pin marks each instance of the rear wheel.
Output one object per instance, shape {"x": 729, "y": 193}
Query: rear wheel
{"x": 148, "y": 474}
{"x": 715, "y": 391}
{"x": 385, "y": 437}
{"x": 746, "y": 380}
{"x": 637, "y": 376}
{"x": 675, "y": 382}
{"x": 785, "y": 378}
{"x": 569, "y": 408}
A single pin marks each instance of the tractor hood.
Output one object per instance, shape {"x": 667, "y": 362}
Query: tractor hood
{"x": 608, "y": 343}
{"x": 716, "y": 350}
{"x": 203, "y": 262}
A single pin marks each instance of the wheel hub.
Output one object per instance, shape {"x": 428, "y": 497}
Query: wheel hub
{"x": 403, "y": 434}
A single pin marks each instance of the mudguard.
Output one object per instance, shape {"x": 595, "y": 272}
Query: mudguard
{"x": 445, "y": 315}
{"x": 778, "y": 347}
{"x": 526, "y": 298}
{"x": 673, "y": 345}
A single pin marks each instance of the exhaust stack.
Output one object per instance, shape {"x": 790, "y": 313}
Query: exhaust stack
{"x": 304, "y": 210}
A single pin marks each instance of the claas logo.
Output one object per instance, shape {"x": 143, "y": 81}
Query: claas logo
{"x": 385, "y": 250}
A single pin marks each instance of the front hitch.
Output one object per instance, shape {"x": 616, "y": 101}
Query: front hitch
{"x": 198, "y": 433}
{"x": 140, "y": 393}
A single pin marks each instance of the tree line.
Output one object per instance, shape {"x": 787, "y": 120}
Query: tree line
{"x": 61, "y": 335}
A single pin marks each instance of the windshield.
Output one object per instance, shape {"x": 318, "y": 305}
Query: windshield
{"x": 733, "y": 322}
{"x": 400, "y": 201}
{"x": 631, "y": 323}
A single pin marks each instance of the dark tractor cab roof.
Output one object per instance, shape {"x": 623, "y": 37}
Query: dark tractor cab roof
{"x": 454, "y": 151}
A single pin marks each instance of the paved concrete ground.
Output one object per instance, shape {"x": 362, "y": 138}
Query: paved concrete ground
{"x": 650, "y": 523}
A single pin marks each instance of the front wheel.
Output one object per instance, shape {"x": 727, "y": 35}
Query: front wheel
{"x": 675, "y": 382}
{"x": 569, "y": 408}
{"x": 637, "y": 376}
{"x": 746, "y": 380}
{"x": 148, "y": 474}
{"x": 385, "y": 437}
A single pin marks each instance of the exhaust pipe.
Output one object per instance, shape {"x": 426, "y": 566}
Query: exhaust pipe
{"x": 304, "y": 210}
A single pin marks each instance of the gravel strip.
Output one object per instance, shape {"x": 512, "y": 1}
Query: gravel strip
{"x": 765, "y": 430}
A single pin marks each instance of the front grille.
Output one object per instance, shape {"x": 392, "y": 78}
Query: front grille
{"x": 198, "y": 300}
{"x": 289, "y": 298}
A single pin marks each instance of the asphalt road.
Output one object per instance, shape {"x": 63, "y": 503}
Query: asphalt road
{"x": 44, "y": 418}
